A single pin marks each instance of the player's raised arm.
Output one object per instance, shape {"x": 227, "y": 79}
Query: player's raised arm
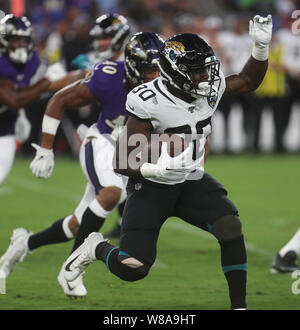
{"x": 252, "y": 74}
{"x": 72, "y": 96}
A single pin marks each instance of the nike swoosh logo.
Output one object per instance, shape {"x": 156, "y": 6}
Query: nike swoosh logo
{"x": 67, "y": 268}
{"x": 131, "y": 108}
{"x": 69, "y": 286}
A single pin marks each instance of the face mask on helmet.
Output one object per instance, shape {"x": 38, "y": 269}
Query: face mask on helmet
{"x": 19, "y": 55}
{"x": 16, "y": 38}
{"x": 141, "y": 57}
{"x": 109, "y": 35}
{"x": 189, "y": 64}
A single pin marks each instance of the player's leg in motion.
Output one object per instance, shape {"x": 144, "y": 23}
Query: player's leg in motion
{"x": 7, "y": 155}
{"x": 204, "y": 203}
{"x": 285, "y": 259}
{"x": 146, "y": 209}
{"x": 96, "y": 158}
{"x": 228, "y": 231}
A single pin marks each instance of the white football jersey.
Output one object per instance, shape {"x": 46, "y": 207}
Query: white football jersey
{"x": 169, "y": 114}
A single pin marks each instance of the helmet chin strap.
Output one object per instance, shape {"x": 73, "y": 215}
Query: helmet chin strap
{"x": 19, "y": 55}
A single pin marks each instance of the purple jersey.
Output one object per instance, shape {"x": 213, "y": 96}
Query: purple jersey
{"x": 106, "y": 83}
{"x": 20, "y": 79}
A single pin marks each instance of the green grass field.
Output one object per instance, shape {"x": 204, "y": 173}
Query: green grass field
{"x": 187, "y": 274}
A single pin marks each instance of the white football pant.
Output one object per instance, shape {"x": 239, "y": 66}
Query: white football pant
{"x": 7, "y": 155}
{"x": 96, "y": 159}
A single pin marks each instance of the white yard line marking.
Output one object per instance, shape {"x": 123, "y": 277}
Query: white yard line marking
{"x": 195, "y": 231}
{"x": 159, "y": 264}
{"x": 6, "y": 191}
{"x": 38, "y": 187}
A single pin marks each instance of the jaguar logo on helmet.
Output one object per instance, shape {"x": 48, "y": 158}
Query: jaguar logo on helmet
{"x": 177, "y": 46}
{"x": 174, "y": 48}
{"x": 212, "y": 100}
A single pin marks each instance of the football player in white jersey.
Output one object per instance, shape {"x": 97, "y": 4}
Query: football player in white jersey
{"x": 181, "y": 101}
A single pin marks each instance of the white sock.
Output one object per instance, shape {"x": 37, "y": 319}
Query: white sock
{"x": 292, "y": 245}
{"x": 66, "y": 228}
{"x": 97, "y": 209}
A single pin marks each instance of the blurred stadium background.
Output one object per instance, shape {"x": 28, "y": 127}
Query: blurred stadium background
{"x": 265, "y": 121}
{"x": 260, "y": 132}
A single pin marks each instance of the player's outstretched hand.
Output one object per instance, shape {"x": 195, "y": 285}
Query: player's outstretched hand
{"x": 260, "y": 30}
{"x": 43, "y": 162}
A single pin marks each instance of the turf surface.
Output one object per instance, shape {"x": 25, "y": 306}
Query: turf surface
{"x": 187, "y": 274}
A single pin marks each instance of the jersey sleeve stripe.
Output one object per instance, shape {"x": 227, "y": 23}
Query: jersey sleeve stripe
{"x": 161, "y": 92}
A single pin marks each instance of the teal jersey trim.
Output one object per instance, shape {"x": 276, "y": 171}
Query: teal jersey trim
{"x": 209, "y": 227}
{"x": 107, "y": 257}
{"x": 122, "y": 253}
{"x": 234, "y": 267}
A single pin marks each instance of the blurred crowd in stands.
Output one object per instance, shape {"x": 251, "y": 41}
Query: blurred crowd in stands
{"x": 61, "y": 30}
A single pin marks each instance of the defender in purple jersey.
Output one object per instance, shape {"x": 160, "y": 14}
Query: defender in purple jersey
{"x": 109, "y": 36}
{"x": 108, "y": 82}
{"x": 22, "y": 80}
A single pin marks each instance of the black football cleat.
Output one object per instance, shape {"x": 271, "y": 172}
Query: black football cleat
{"x": 285, "y": 264}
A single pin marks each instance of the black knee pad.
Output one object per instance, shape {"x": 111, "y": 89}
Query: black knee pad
{"x": 227, "y": 227}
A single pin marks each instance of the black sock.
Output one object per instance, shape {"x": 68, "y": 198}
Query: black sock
{"x": 234, "y": 265}
{"x": 90, "y": 223}
{"x": 109, "y": 255}
{"x": 51, "y": 235}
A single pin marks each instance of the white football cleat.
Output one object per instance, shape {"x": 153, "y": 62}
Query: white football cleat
{"x": 72, "y": 289}
{"x": 16, "y": 251}
{"x": 82, "y": 257}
